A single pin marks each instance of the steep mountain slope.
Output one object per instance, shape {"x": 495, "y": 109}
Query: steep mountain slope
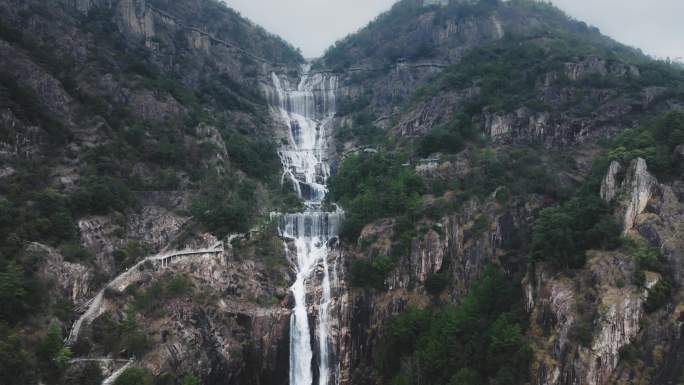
{"x": 129, "y": 127}
{"x": 521, "y": 70}
{"x": 489, "y": 135}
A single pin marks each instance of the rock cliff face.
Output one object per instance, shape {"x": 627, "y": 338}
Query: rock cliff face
{"x": 72, "y": 281}
{"x": 584, "y": 324}
{"x": 452, "y": 245}
{"x": 230, "y": 324}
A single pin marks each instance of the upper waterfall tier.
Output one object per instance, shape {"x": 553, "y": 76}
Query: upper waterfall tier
{"x": 307, "y": 109}
{"x": 313, "y": 97}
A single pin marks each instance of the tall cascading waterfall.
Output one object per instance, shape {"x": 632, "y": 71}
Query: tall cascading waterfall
{"x": 308, "y": 111}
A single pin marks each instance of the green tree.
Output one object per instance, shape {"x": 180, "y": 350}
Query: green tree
{"x": 135, "y": 376}
{"x": 226, "y": 206}
{"x": 135, "y": 340}
{"x": 553, "y": 238}
{"x": 190, "y": 379}
{"x": 371, "y": 274}
{"x": 449, "y": 139}
{"x": 14, "y": 293}
{"x": 91, "y": 375}
{"x": 17, "y": 364}
{"x": 480, "y": 341}
{"x": 563, "y": 234}
{"x": 465, "y": 376}
{"x": 63, "y": 357}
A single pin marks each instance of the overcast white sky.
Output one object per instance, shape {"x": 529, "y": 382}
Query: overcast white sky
{"x": 656, "y": 26}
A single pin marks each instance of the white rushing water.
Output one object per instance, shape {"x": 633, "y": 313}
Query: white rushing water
{"x": 308, "y": 110}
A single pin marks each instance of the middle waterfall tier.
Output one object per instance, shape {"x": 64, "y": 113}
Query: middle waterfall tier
{"x": 310, "y": 224}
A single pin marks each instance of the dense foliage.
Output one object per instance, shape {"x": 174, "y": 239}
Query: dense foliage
{"x": 135, "y": 376}
{"x": 371, "y": 274}
{"x": 161, "y": 291}
{"x": 518, "y": 171}
{"x": 141, "y": 376}
{"x": 226, "y": 206}
{"x": 448, "y": 139}
{"x": 509, "y": 73}
{"x": 563, "y": 234}
{"x": 655, "y": 142}
{"x": 362, "y": 130}
{"x": 371, "y": 186}
{"x": 478, "y": 342}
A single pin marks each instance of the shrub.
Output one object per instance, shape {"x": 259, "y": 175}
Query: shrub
{"x": 654, "y": 142}
{"x": 74, "y": 252}
{"x": 130, "y": 254}
{"x": 659, "y": 295}
{"x": 169, "y": 287}
{"x": 258, "y": 158}
{"x": 436, "y": 283}
{"x": 449, "y": 139}
{"x": 134, "y": 376}
{"x": 371, "y": 274}
{"x": 190, "y": 379}
{"x": 14, "y": 292}
{"x": 17, "y": 364}
{"x": 101, "y": 195}
{"x": 226, "y": 206}
{"x": 481, "y": 224}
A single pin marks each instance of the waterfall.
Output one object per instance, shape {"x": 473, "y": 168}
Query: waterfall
{"x": 308, "y": 110}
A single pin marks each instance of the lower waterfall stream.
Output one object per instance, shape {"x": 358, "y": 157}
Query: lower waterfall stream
{"x": 308, "y": 110}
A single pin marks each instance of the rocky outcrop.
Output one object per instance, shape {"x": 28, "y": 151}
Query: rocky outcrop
{"x": 597, "y": 66}
{"x": 620, "y": 313}
{"x": 155, "y": 226}
{"x": 73, "y": 282}
{"x": 679, "y": 155}
{"x": 609, "y": 185}
{"x": 640, "y": 184}
{"x": 522, "y": 123}
{"x": 635, "y": 190}
{"x": 585, "y": 342}
{"x": 581, "y": 324}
